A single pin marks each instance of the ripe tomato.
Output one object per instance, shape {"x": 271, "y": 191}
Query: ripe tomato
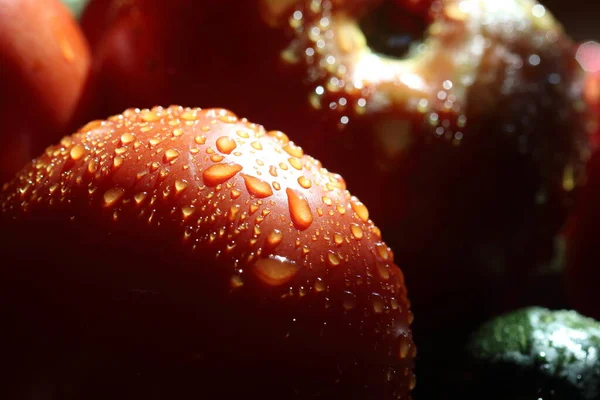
{"x": 44, "y": 67}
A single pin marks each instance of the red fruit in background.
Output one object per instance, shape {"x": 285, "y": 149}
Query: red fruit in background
{"x": 460, "y": 123}
{"x": 182, "y": 253}
{"x": 44, "y": 66}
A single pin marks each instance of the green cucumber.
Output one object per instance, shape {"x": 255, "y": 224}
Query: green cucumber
{"x": 536, "y": 353}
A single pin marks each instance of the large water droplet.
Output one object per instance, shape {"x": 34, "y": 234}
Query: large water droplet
{"x": 356, "y": 230}
{"x": 180, "y": 185}
{"x": 225, "y": 144}
{"x": 275, "y": 270}
{"x": 257, "y": 187}
{"x": 304, "y": 182}
{"x": 378, "y": 303}
{"x": 127, "y": 138}
{"x": 348, "y": 300}
{"x": 295, "y": 162}
{"x": 150, "y": 116}
{"x": 77, "y": 152}
{"x": 299, "y": 209}
{"x": 338, "y": 238}
{"x": 111, "y": 196}
{"x": 220, "y": 173}
{"x": 333, "y": 259}
{"x": 360, "y": 209}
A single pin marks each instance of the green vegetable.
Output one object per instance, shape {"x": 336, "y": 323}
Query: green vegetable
{"x": 76, "y": 6}
{"x": 536, "y": 353}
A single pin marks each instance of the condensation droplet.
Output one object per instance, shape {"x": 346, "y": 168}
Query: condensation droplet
{"x": 236, "y": 282}
{"x": 256, "y": 145}
{"x": 187, "y": 211}
{"x": 382, "y": 251}
{"x": 235, "y": 193}
{"x": 127, "y": 138}
{"x": 299, "y": 209}
{"x": 338, "y": 238}
{"x": 378, "y": 303}
{"x": 188, "y": 116}
{"x": 111, "y": 196}
{"x": 243, "y": 134}
{"x": 356, "y": 230}
{"x": 171, "y": 154}
{"x": 319, "y": 285}
{"x": 120, "y": 150}
{"x": 177, "y": 132}
{"x": 376, "y": 231}
{"x": 275, "y": 270}
{"x": 280, "y": 136}
{"x": 180, "y": 185}
{"x": 220, "y": 173}
{"x": 274, "y": 238}
{"x": 77, "y": 152}
{"x": 383, "y": 270}
{"x": 150, "y": 116}
{"x": 92, "y": 166}
{"x": 404, "y": 346}
{"x": 349, "y": 300}
{"x": 118, "y": 161}
{"x": 295, "y": 162}
{"x": 304, "y": 182}
{"x": 333, "y": 259}
{"x": 139, "y": 197}
{"x": 216, "y": 158}
{"x": 257, "y": 187}
{"x": 293, "y": 150}
{"x": 360, "y": 209}
{"x": 225, "y": 144}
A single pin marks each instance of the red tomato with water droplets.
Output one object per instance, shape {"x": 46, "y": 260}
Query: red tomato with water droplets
{"x": 44, "y": 68}
{"x": 179, "y": 249}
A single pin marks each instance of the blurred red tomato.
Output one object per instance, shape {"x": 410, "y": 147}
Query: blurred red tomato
{"x": 44, "y": 66}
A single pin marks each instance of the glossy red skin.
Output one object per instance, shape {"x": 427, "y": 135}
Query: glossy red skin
{"x": 166, "y": 295}
{"x": 45, "y": 66}
{"x": 464, "y": 220}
